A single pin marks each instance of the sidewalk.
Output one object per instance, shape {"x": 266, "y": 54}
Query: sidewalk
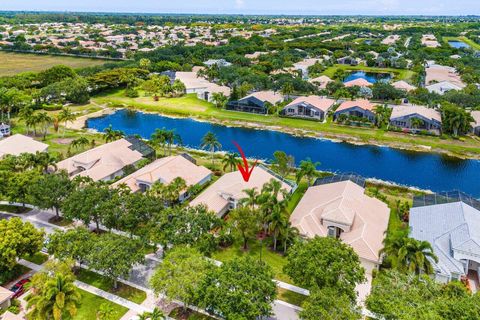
{"x": 141, "y": 273}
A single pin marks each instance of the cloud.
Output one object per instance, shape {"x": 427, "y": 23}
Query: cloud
{"x": 239, "y": 4}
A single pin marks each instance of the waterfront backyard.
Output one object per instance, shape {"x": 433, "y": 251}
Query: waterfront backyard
{"x": 190, "y": 106}
{"x": 388, "y": 164}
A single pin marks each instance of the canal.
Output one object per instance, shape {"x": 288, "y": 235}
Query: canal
{"x": 424, "y": 170}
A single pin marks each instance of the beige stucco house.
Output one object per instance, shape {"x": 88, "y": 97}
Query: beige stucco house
{"x": 165, "y": 170}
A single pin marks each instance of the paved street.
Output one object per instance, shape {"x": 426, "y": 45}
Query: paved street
{"x": 141, "y": 273}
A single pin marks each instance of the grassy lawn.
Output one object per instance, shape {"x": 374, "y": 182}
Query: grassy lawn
{"x": 58, "y": 141}
{"x": 400, "y": 74}
{"x": 466, "y": 40}
{"x": 275, "y": 260}
{"x": 13, "y": 209}
{"x": 61, "y": 222}
{"x": 13, "y": 63}
{"x": 297, "y": 196}
{"x": 17, "y": 271}
{"x": 38, "y": 258}
{"x": 101, "y": 282}
{"x": 189, "y": 315}
{"x": 90, "y": 304}
{"x": 294, "y": 298}
{"x": 190, "y": 106}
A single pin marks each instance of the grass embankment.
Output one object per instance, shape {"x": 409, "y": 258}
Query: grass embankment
{"x": 90, "y": 304}
{"x": 190, "y": 106}
{"x": 464, "y": 39}
{"x": 13, "y": 63}
{"x": 38, "y": 258}
{"x": 101, "y": 282}
{"x": 13, "y": 209}
{"x": 275, "y": 260}
{"x": 400, "y": 74}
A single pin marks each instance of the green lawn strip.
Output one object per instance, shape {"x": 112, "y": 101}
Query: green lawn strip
{"x": 60, "y": 222}
{"x": 275, "y": 260}
{"x": 291, "y": 297}
{"x": 38, "y": 258}
{"x": 178, "y": 107}
{"x": 14, "y": 209}
{"x": 101, "y": 282}
{"x": 91, "y": 303}
{"x": 191, "y": 315}
{"x": 17, "y": 271}
{"x": 297, "y": 196}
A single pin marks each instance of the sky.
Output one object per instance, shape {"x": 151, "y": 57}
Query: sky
{"x": 305, "y": 7}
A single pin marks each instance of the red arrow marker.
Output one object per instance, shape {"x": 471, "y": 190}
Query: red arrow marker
{"x": 244, "y": 170}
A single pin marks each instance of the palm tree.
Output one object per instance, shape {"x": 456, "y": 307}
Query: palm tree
{"x": 66, "y": 115}
{"x": 57, "y": 297}
{"x": 414, "y": 256}
{"x": 44, "y": 120}
{"x": 160, "y": 137}
{"x": 106, "y": 312}
{"x": 81, "y": 142}
{"x": 170, "y": 137}
{"x": 156, "y": 314}
{"x": 288, "y": 234}
{"x": 287, "y": 90}
{"x": 112, "y": 135}
{"x": 211, "y": 142}
{"x": 251, "y": 199}
{"x": 26, "y": 114}
{"x": 44, "y": 161}
{"x": 230, "y": 160}
{"x": 307, "y": 169}
{"x": 382, "y": 116}
{"x": 408, "y": 254}
{"x": 219, "y": 99}
{"x": 416, "y": 123}
{"x": 276, "y": 221}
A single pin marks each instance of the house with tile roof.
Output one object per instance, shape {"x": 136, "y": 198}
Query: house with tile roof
{"x": 18, "y": 143}
{"x": 450, "y": 221}
{"x": 360, "y": 108}
{"x": 5, "y": 298}
{"x": 321, "y": 81}
{"x": 339, "y": 208}
{"x": 108, "y": 161}
{"x": 311, "y": 107}
{"x": 415, "y": 118}
{"x": 256, "y": 102}
{"x": 476, "y": 122}
{"x": 403, "y": 85}
{"x": 203, "y": 88}
{"x": 225, "y": 193}
{"x": 360, "y": 82}
{"x": 164, "y": 171}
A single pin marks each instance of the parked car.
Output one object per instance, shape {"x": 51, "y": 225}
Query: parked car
{"x": 19, "y": 288}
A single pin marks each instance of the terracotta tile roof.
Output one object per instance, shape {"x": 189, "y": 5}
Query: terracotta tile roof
{"x": 358, "y": 82}
{"x": 5, "y": 294}
{"x": 267, "y": 96}
{"x": 344, "y": 203}
{"x": 402, "y": 111}
{"x": 232, "y": 185}
{"x": 318, "y": 102}
{"x": 363, "y": 104}
{"x": 18, "y": 144}
{"x": 166, "y": 170}
{"x": 403, "y": 85}
{"x": 101, "y": 162}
